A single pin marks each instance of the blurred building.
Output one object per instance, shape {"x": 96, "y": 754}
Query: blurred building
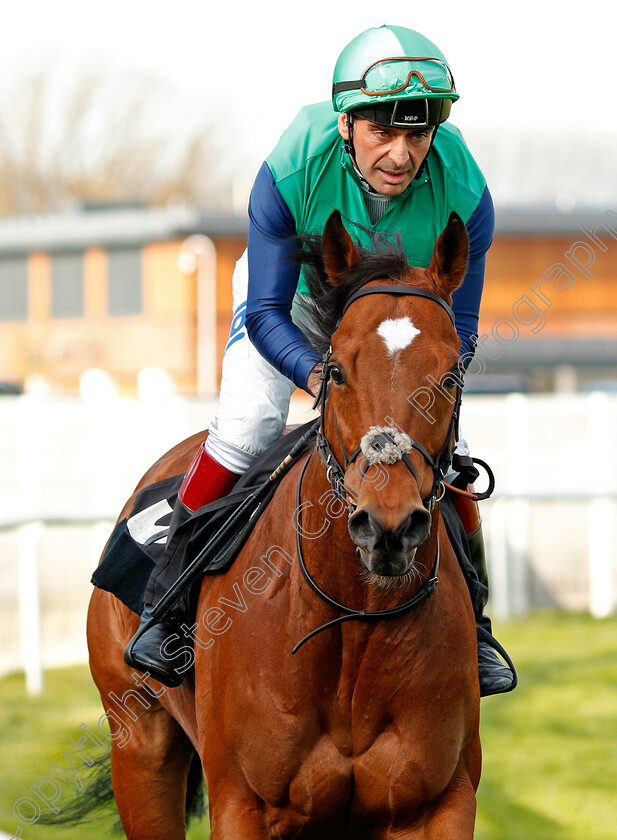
{"x": 549, "y": 309}
{"x": 103, "y": 288}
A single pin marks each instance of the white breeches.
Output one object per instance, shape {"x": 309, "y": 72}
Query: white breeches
{"x": 254, "y": 397}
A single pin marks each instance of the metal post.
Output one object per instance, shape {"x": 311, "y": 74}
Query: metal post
{"x": 30, "y": 494}
{"x": 198, "y": 255}
{"x": 601, "y": 510}
{"x": 498, "y": 561}
{"x": 517, "y": 482}
{"x": 29, "y": 605}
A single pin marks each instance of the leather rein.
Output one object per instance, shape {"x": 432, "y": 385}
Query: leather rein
{"x": 336, "y": 472}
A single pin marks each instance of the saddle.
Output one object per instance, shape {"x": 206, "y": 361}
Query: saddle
{"x": 139, "y": 540}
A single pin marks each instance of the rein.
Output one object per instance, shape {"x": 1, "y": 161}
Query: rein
{"x": 350, "y": 614}
{"x": 379, "y": 439}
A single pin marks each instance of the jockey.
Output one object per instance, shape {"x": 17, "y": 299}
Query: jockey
{"x": 383, "y": 155}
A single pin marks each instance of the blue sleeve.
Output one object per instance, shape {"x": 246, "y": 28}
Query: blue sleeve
{"x": 273, "y": 278}
{"x": 466, "y": 299}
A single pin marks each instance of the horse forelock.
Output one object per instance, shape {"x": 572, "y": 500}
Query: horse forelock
{"x": 385, "y": 260}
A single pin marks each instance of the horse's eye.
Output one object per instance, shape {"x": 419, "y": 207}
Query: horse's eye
{"x": 336, "y": 375}
{"x": 453, "y": 378}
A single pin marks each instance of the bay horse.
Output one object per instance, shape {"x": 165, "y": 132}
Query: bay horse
{"x": 370, "y": 730}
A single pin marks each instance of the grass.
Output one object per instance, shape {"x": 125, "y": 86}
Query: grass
{"x": 550, "y": 747}
{"x": 35, "y": 733}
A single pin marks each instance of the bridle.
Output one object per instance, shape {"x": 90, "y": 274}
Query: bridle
{"x": 335, "y": 472}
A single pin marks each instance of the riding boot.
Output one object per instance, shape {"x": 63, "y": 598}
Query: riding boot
{"x": 495, "y": 676}
{"x": 150, "y": 648}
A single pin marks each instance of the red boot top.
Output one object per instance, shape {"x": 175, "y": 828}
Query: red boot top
{"x": 205, "y": 481}
{"x": 468, "y": 511}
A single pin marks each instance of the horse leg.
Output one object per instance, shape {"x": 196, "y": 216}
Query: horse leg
{"x": 149, "y": 777}
{"x": 451, "y": 815}
{"x": 235, "y": 814}
{"x": 150, "y": 752}
{"x": 454, "y": 815}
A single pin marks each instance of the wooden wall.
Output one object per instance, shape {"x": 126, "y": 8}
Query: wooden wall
{"x": 573, "y": 288}
{"x": 546, "y": 285}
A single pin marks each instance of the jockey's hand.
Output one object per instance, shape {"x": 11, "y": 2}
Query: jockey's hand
{"x": 314, "y": 380}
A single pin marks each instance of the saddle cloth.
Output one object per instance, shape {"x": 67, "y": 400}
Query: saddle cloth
{"x": 138, "y": 541}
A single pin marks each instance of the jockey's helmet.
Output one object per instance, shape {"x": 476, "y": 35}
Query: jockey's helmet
{"x": 394, "y": 76}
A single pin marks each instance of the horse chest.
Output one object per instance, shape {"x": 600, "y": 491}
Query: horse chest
{"x": 328, "y": 787}
{"x": 378, "y": 750}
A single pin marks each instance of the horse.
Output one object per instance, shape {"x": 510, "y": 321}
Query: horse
{"x": 370, "y": 729}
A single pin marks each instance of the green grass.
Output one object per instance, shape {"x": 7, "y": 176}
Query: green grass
{"x": 35, "y": 733}
{"x": 550, "y": 747}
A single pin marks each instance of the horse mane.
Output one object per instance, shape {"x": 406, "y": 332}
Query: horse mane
{"x": 322, "y": 311}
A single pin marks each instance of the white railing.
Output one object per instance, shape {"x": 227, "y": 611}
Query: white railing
{"x": 550, "y": 527}
{"x": 509, "y": 549}
{"x": 30, "y": 533}
{"x": 552, "y": 451}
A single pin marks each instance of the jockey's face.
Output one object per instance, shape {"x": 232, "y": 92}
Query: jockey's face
{"x": 388, "y": 158}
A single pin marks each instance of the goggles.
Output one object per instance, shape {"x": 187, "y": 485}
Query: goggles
{"x": 393, "y": 75}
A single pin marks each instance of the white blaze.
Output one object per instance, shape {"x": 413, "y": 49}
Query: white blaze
{"x": 397, "y": 333}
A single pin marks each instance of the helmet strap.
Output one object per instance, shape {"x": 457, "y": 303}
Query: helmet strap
{"x": 348, "y": 144}
{"x": 349, "y": 148}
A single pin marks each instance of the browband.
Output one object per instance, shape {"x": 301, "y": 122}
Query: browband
{"x": 398, "y": 290}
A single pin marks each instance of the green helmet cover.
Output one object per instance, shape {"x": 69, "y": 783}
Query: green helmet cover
{"x": 375, "y": 45}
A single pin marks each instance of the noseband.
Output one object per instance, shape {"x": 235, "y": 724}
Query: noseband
{"x": 379, "y": 444}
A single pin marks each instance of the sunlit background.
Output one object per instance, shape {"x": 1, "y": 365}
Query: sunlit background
{"x": 535, "y": 80}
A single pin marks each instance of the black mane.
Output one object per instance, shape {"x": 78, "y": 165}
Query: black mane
{"x": 323, "y": 310}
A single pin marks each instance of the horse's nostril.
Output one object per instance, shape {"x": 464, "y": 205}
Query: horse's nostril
{"x": 417, "y": 527}
{"x": 369, "y": 533}
{"x": 364, "y": 530}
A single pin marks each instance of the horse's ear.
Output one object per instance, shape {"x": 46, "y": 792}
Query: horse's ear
{"x": 339, "y": 251}
{"x": 449, "y": 261}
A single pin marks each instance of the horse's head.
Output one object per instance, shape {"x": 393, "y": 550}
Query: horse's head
{"x": 393, "y": 385}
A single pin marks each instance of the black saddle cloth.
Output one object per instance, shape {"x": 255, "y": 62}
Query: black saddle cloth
{"x": 137, "y": 543}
